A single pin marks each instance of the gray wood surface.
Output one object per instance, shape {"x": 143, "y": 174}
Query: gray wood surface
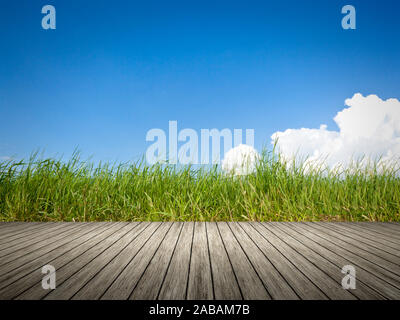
{"x": 200, "y": 260}
{"x": 200, "y": 285}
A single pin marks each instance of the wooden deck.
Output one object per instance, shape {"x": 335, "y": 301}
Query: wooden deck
{"x": 256, "y": 261}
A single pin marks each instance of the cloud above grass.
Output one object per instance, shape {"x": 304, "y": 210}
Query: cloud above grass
{"x": 369, "y": 129}
{"x": 241, "y": 160}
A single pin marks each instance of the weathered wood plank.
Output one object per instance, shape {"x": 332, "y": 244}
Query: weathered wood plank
{"x": 326, "y": 284}
{"x": 6, "y": 227}
{"x": 197, "y": 260}
{"x": 97, "y": 286}
{"x": 21, "y": 231}
{"x": 224, "y": 280}
{"x": 327, "y": 251}
{"x": 354, "y": 256}
{"x": 113, "y": 245}
{"x": 30, "y": 240}
{"x": 380, "y": 248}
{"x": 375, "y": 253}
{"x": 392, "y": 233}
{"x": 303, "y": 287}
{"x": 371, "y": 233}
{"x": 126, "y": 281}
{"x": 249, "y": 281}
{"x": 176, "y": 280}
{"x": 200, "y": 285}
{"x": 69, "y": 266}
{"x": 332, "y": 270}
{"x": 394, "y": 227}
{"x": 274, "y": 282}
{"x": 150, "y": 283}
{"x": 24, "y": 276}
{"x": 42, "y": 247}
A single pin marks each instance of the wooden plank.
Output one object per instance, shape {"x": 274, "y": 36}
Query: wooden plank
{"x": 331, "y": 269}
{"x": 320, "y": 278}
{"x": 251, "y": 286}
{"x": 19, "y": 270}
{"x": 96, "y": 287}
{"x": 273, "y": 281}
{"x": 381, "y": 256}
{"x": 381, "y": 228}
{"x": 224, "y": 280}
{"x": 33, "y": 256}
{"x": 395, "y": 227}
{"x": 8, "y": 223}
{"x": 67, "y": 266}
{"x": 30, "y": 236}
{"x": 41, "y": 247}
{"x": 27, "y": 275}
{"x": 397, "y": 224}
{"x": 353, "y": 255}
{"x": 372, "y": 233}
{"x": 6, "y": 227}
{"x": 365, "y": 236}
{"x": 199, "y": 260}
{"x": 380, "y": 247}
{"x": 314, "y": 243}
{"x": 200, "y": 285}
{"x": 176, "y": 280}
{"x": 21, "y": 231}
{"x": 126, "y": 281}
{"x": 150, "y": 283}
{"x": 117, "y": 242}
{"x": 303, "y": 287}
{"x": 29, "y": 240}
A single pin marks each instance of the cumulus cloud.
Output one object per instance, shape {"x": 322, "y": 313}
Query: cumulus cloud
{"x": 5, "y": 158}
{"x": 369, "y": 129}
{"x": 241, "y": 160}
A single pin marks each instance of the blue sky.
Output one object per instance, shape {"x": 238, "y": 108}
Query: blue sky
{"x": 112, "y": 70}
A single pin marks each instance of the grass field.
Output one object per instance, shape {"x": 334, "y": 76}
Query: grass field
{"x": 76, "y": 190}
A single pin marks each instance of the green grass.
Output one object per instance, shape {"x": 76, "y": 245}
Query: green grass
{"x": 54, "y": 190}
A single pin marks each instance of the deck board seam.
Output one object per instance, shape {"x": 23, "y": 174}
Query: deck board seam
{"x": 337, "y": 230}
{"x": 230, "y": 261}
{"x": 27, "y": 274}
{"x": 152, "y": 257}
{"x": 251, "y": 263}
{"x": 70, "y": 262}
{"x": 73, "y": 230}
{"x": 209, "y": 259}
{"x": 317, "y": 244}
{"x": 105, "y": 249}
{"x": 365, "y": 251}
{"x": 321, "y": 257}
{"x": 277, "y": 270}
{"x": 190, "y": 261}
{"x": 104, "y": 266}
{"x": 296, "y": 267}
{"x": 130, "y": 260}
{"x": 169, "y": 262}
{"x": 373, "y": 274}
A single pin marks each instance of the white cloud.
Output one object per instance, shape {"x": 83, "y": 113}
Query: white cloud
{"x": 369, "y": 128}
{"x": 240, "y": 160}
{"x": 5, "y": 158}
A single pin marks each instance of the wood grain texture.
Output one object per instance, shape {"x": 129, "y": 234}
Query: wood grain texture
{"x": 200, "y": 260}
